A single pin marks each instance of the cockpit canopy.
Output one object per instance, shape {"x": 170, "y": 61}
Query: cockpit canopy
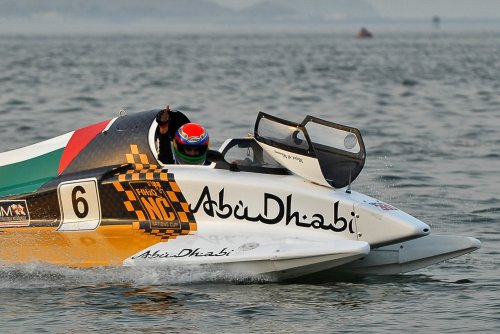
{"x": 323, "y": 152}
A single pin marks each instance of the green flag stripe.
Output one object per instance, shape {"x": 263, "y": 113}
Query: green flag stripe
{"x": 28, "y": 175}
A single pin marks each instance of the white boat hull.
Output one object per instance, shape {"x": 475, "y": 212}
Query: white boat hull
{"x": 411, "y": 255}
{"x": 250, "y": 254}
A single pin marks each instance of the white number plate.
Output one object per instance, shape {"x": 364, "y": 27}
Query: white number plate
{"x": 80, "y": 205}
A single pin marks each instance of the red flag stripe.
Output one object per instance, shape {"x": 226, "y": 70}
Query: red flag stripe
{"x": 78, "y": 141}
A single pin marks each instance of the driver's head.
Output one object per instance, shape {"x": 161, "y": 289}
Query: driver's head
{"x": 191, "y": 144}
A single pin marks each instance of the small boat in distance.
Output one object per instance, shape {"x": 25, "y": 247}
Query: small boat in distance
{"x": 364, "y": 33}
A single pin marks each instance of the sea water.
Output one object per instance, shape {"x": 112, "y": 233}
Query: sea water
{"x": 427, "y": 104}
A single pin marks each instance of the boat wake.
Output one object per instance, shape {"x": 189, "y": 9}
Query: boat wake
{"x": 42, "y": 275}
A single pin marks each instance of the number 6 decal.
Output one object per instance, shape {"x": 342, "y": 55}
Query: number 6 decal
{"x": 77, "y": 200}
{"x": 80, "y": 205}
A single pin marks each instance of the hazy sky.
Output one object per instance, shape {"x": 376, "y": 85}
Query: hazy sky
{"x": 416, "y": 8}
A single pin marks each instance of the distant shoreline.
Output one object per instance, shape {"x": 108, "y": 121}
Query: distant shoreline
{"x": 80, "y": 26}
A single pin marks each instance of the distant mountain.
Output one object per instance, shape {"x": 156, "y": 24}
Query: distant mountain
{"x": 113, "y": 9}
{"x": 116, "y": 10}
{"x": 324, "y": 9}
{"x": 266, "y": 9}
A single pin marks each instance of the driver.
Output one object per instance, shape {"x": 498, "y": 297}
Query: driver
{"x": 191, "y": 144}
{"x": 169, "y": 121}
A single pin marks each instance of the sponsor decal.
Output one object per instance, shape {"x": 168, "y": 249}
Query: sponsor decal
{"x": 383, "y": 206}
{"x": 289, "y": 156}
{"x": 184, "y": 253}
{"x": 156, "y": 204}
{"x": 276, "y": 210}
{"x": 154, "y": 197}
{"x": 14, "y": 213}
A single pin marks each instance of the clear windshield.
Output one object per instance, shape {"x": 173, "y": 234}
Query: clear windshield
{"x": 289, "y": 135}
{"x": 338, "y": 149}
{"x": 333, "y": 137}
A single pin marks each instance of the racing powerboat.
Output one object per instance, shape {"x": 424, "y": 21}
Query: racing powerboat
{"x": 275, "y": 205}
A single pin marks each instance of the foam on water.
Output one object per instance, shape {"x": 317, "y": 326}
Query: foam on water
{"x": 42, "y": 275}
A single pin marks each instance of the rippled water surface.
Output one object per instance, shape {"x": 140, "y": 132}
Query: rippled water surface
{"x": 427, "y": 104}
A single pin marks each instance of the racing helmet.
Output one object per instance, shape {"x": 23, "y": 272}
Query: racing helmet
{"x": 191, "y": 144}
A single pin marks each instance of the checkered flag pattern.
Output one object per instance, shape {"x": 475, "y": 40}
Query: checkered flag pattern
{"x": 154, "y": 197}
